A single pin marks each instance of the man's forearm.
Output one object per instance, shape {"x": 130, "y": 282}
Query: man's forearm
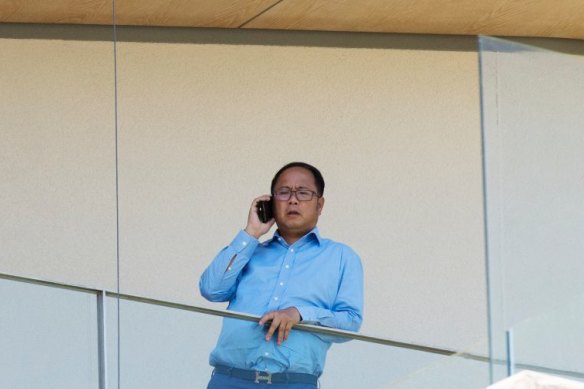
{"x": 219, "y": 281}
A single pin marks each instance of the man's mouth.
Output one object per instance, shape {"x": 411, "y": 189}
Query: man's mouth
{"x": 293, "y": 213}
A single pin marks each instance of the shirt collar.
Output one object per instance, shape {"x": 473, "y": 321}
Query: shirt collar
{"x": 312, "y": 234}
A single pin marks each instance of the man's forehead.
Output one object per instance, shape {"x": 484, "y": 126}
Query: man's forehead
{"x": 297, "y": 177}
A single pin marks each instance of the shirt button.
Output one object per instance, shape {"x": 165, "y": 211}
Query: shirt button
{"x": 281, "y": 284}
{"x": 266, "y": 353}
{"x": 244, "y": 243}
{"x": 291, "y": 250}
{"x": 275, "y": 298}
{"x": 229, "y": 268}
{"x": 287, "y": 267}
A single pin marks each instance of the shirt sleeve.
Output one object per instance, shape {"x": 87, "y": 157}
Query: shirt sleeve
{"x": 219, "y": 281}
{"x": 347, "y": 310}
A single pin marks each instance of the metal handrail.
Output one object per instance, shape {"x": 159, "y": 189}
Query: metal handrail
{"x": 231, "y": 314}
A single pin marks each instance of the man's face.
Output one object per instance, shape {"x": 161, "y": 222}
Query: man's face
{"x": 293, "y": 216}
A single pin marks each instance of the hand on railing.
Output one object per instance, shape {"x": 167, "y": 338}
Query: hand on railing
{"x": 282, "y": 320}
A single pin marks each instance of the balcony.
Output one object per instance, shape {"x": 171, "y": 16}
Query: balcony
{"x": 129, "y": 155}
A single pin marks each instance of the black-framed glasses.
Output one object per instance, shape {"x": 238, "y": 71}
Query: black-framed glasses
{"x": 285, "y": 194}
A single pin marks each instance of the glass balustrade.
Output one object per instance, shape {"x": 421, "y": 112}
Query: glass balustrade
{"x": 534, "y": 186}
{"x": 48, "y": 337}
{"x": 548, "y": 343}
{"x": 466, "y": 369}
{"x": 160, "y": 344}
{"x": 57, "y": 330}
{"x": 552, "y": 342}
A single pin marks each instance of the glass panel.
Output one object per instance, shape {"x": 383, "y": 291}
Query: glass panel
{"x": 168, "y": 346}
{"x": 532, "y": 125}
{"x": 464, "y": 370}
{"x": 370, "y": 365}
{"x": 164, "y": 346}
{"x": 552, "y": 342}
{"x": 48, "y": 337}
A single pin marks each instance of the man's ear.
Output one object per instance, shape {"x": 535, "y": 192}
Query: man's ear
{"x": 320, "y": 205}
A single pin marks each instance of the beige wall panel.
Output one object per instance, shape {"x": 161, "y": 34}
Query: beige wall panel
{"x": 57, "y": 161}
{"x": 396, "y": 133}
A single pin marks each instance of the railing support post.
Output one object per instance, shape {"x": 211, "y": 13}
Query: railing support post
{"x": 510, "y": 352}
{"x": 102, "y": 338}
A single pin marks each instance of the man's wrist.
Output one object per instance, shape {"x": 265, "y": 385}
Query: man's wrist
{"x": 252, "y": 233}
{"x": 299, "y": 314}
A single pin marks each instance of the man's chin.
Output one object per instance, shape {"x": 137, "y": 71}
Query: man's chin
{"x": 291, "y": 226}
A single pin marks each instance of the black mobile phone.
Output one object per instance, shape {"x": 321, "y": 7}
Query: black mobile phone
{"x": 265, "y": 212}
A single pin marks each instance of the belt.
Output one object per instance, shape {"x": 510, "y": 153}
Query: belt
{"x": 269, "y": 378}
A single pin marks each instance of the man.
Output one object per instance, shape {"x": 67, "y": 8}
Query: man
{"x": 296, "y": 276}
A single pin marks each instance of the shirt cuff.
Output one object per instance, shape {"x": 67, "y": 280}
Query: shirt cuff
{"x": 308, "y": 315}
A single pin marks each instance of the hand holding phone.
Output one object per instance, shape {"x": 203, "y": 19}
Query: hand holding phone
{"x": 260, "y": 217}
{"x": 265, "y": 210}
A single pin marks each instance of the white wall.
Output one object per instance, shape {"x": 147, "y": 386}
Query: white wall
{"x": 202, "y": 129}
{"x": 57, "y": 153}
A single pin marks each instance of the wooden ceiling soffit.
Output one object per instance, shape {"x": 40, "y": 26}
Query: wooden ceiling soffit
{"x": 533, "y": 18}
{"x": 57, "y": 11}
{"x": 537, "y": 18}
{"x": 189, "y": 13}
{"x": 175, "y": 13}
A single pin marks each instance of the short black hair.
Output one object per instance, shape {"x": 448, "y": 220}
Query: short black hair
{"x": 318, "y": 180}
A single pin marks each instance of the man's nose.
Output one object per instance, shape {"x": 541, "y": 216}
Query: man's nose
{"x": 293, "y": 198}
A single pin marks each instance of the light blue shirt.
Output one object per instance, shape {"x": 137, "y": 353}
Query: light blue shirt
{"x": 323, "y": 279}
